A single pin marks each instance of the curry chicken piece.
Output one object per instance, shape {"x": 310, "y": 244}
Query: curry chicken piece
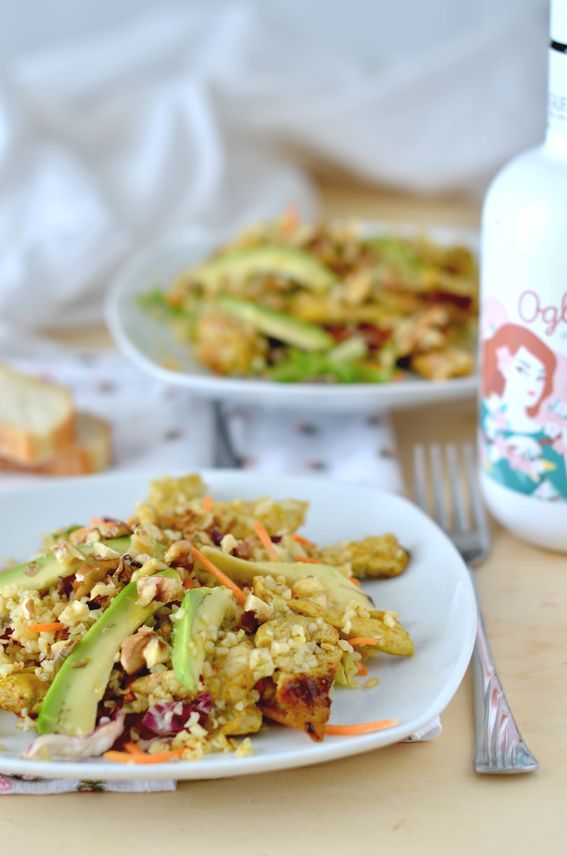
{"x": 443, "y": 364}
{"x": 297, "y": 695}
{"x": 300, "y": 701}
{"x": 378, "y": 556}
{"x": 382, "y": 625}
{"x": 21, "y": 690}
{"x": 227, "y": 346}
{"x": 391, "y": 637}
{"x": 231, "y": 681}
{"x": 276, "y": 516}
{"x": 316, "y": 640}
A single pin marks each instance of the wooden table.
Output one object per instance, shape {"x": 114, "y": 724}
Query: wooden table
{"x": 405, "y": 799}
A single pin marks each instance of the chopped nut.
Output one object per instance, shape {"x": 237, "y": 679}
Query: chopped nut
{"x": 228, "y": 543}
{"x": 67, "y": 555}
{"x": 29, "y": 607}
{"x": 150, "y": 566}
{"x": 74, "y": 613}
{"x": 132, "y": 650}
{"x": 103, "y": 590}
{"x": 163, "y": 589}
{"x": 178, "y": 552}
{"x": 103, "y": 551}
{"x": 155, "y": 652}
{"x": 259, "y": 607}
{"x": 32, "y": 569}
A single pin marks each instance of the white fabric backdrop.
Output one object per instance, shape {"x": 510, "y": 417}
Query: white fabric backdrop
{"x": 202, "y": 116}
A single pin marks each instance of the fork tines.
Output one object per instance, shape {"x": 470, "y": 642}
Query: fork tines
{"x": 454, "y": 497}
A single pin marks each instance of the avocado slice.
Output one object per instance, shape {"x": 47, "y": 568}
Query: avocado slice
{"x": 289, "y": 262}
{"x": 288, "y": 329}
{"x": 70, "y": 705}
{"x": 349, "y": 351}
{"x": 44, "y": 571}
{"x": 340, "y": 588}
{"x": 203, "y": 610}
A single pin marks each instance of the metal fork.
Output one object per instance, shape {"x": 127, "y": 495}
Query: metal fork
{"x": 499, "y": 746}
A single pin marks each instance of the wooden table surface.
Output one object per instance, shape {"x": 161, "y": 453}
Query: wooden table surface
{"x": 405, "y": 799}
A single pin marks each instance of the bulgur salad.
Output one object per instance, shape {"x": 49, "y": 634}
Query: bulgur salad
{"x": 174, "y": 633}
{"x": 293, "y": 302}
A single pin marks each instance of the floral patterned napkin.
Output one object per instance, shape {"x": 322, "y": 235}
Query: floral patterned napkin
{"x": 157, "y": 428}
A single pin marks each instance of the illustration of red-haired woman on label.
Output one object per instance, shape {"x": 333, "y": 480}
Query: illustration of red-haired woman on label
{"x": 524, "y": 433}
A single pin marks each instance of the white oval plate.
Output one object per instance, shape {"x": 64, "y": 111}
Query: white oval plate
{"x": 434, "y": 599}
{"x": 148, "y": 343}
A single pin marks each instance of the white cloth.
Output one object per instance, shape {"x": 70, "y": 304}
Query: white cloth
{"x": 156, "y": 428}
{"x": 344, "y": 447}
{"x": 202, "y": 117}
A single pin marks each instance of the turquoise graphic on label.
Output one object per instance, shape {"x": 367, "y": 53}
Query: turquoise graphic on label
{"x": 523, "y": 423}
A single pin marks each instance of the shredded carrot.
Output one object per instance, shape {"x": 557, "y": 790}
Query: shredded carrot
{"x": 305, "y": 542}
{"x": 175, "y": 298}
{"x": 143, "y": 757}
{"x": 290, "y": 219}
{"x": 266, "y": 541}
{"x": 354, "y": 581}
{"x": 134, "y": 749}
{"x": 44, "y": 628}
{"x": 208, "y": 502}
{"x": 362, "y": 728}
{"x": 159, "y": 757}
{"x": 362, "y": 670}
{"x": 219, "y": 575}
{"x": 189, "y": 583}
{"x": 363, "y": 640}
{"x": 84, "y": 530}
{"x": 308, "y": 560}
{"x": 120, "y": 757}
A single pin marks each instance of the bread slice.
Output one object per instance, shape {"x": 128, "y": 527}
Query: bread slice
{"x": 37, "y": 419}
{"x": 90, "y": 452}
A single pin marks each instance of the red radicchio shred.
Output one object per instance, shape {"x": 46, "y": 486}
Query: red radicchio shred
{"x": 375, "y": 337}
{"x": 160, "y": 720}
{"x": 216, "y": 535}
{"x": 339, "y": 332}
{"x": 461, "y": 301}
{"x": 243, "y": 550}
{"x": 249, "y": 622}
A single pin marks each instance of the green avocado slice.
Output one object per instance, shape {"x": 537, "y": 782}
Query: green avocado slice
{"x": 288, "y": 329}
{"x": 44, "y": 571}
{"x": 203, "y": 610}
{"x": 70, "y": 705}
{"x": 289, "y": 262}
{"x": 340, "y": 588}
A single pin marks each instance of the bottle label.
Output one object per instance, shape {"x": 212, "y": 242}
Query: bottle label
{"x": 523, "y": 404}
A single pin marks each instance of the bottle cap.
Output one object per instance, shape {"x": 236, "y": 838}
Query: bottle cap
{"x": 558, "y": 21}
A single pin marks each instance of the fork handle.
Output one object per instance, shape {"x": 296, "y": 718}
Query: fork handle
{"x": 499, "y": 746}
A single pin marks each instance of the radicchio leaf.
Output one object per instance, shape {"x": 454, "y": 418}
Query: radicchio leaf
{"x": 170, "y": 717}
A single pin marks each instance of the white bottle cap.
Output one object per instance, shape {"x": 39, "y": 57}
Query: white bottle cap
{"x": 558, "y": 21}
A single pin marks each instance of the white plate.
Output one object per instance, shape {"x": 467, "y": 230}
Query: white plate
{"x": 147, "y": 341}
{"x": 434, "y": 599}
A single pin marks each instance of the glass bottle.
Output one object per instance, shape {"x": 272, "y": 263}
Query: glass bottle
{"x": 523, "y": 329}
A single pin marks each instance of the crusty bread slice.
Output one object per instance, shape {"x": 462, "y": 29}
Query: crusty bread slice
{"x": 37, "y": 419}
{"x": 90, "y": 452}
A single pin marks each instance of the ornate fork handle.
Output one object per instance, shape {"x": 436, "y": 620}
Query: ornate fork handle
{"x": 499, "y": 746}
